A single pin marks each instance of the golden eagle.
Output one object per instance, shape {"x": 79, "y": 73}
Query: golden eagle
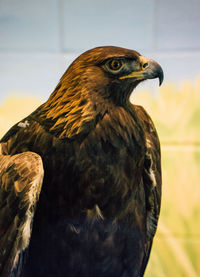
{"x": 90, "y": 161}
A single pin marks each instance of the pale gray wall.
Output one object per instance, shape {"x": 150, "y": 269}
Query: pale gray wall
{"x": 38, "y": 39}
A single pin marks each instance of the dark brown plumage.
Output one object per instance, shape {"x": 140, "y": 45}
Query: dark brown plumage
{"x": 100, "y": 200}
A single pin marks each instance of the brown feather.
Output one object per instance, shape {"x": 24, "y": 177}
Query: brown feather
{"x": 100, "y": 199}
{"x": 20, "y": 184}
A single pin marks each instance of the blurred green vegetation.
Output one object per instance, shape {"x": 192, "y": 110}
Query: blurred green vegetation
{"x": 175, "y": 111}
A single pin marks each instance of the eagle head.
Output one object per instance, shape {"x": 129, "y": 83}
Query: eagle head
{"x": 112, "y": 71}
{"x": 98, "y": 78}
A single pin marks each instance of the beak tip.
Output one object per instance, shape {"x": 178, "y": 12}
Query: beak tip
{"x": 160, "y": 81}
{"x": 161, "y": 78}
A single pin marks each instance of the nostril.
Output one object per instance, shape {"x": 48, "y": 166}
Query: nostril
{"x": 145, "y": 65}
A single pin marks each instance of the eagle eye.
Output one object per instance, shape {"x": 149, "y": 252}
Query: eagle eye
{"x": 115, "y": 65}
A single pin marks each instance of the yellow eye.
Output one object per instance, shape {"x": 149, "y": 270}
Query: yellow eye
{"x": 115, "y": 64}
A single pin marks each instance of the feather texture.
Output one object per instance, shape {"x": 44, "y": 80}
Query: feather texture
{"x": 101, "y": 192}
{"x": 20, "y": 184}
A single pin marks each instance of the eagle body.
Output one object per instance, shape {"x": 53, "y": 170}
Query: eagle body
{"x": 99, "y": 203}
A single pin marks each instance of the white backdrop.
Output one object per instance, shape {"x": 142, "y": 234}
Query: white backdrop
{"x": 38, "y": 39}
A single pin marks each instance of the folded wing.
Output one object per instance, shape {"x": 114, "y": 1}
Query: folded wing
{"x": 21, "y": 179}
{"x": 152, "y": 180}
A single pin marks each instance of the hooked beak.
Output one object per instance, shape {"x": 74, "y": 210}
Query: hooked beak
{"x": 149, "y": 69}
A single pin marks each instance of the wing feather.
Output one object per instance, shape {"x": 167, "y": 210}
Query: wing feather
{"x": 21, "y": 179}
{"x": 152, "y": 179}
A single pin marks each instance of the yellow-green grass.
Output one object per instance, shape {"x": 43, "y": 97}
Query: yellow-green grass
{"x": 175, "y": 111}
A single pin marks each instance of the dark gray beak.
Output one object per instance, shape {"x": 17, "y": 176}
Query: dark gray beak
{"x": 151, "y": 69}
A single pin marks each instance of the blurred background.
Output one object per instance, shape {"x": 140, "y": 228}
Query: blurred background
{"x": 40, "y": 38}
